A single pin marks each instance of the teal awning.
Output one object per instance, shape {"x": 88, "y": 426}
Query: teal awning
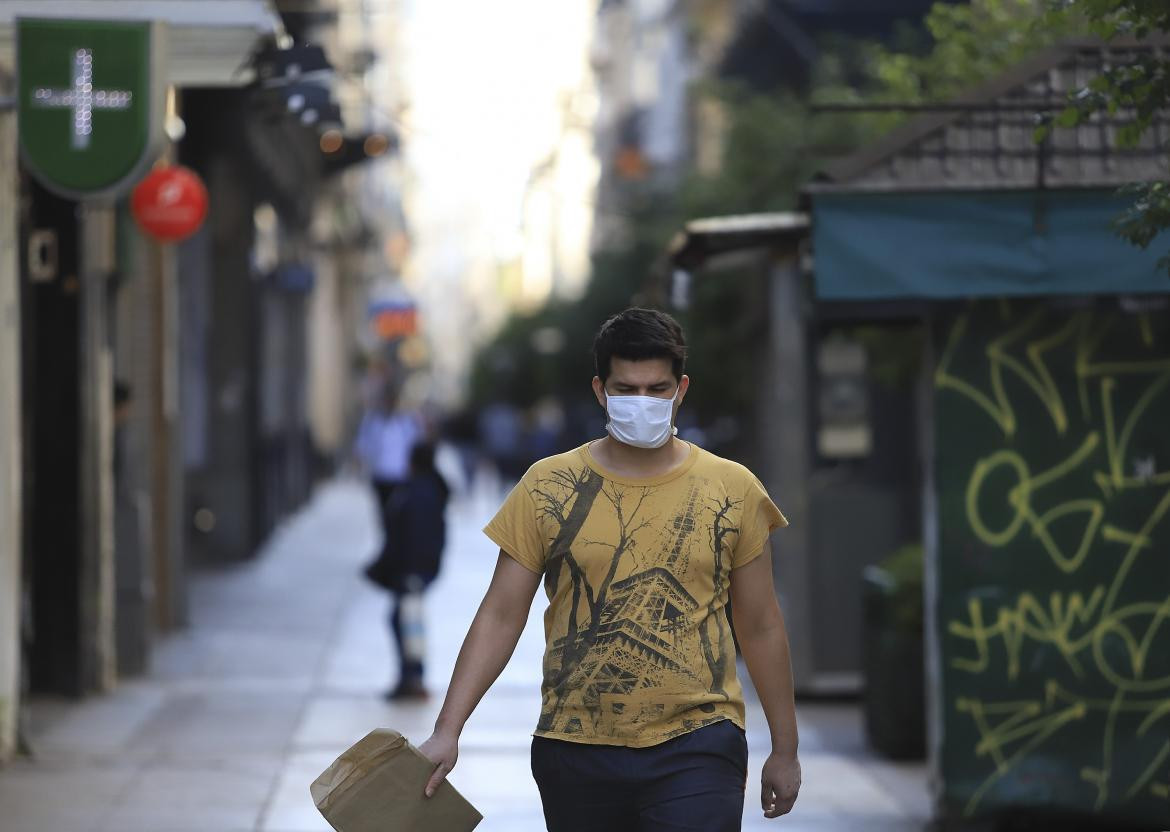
{"x": 972, "y": 244}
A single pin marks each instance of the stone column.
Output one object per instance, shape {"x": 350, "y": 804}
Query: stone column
{"x": 98, "y": 590}
{"x": 790, "y": 464}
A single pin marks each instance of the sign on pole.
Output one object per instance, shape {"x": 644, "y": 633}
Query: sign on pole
{"x": 392, "y": 319}
{"x": 91, "y": 99}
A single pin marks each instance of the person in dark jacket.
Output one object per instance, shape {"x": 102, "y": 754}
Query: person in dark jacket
{"x": 409, "y": 562}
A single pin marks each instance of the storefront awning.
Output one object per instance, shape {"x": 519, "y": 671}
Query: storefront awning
{"x": 873, "y": 246}
{"x": 703, "y": 239}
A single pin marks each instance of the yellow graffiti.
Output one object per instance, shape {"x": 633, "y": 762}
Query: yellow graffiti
{"x": 1019, "y": 497}
{"x": 1155, "y": 709}
{"x": 1022, "y": 724}
{"x": 992, "y": 739}
{"x": 1146, "y": 330}
{"x": 1088, "y": 345}
{"x": 1100, "y": 776}
{"x": 1098, "y": 631}
{"x": 1038, "y": 378}
{"x": 1162, "y": 710}
{"x": 1136, "y": 545}
{"x": 1149, "y": 773}
{"x": 1137, "y": 649}
{"x": 1120, "y": 368}
{"x": 1028, "y": 619}
{"x": 1117, "y": 445}
{"x": 1036, "y": 720}
{"x": 1074, "y": 623}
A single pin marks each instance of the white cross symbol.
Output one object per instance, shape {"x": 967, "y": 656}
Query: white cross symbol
{"x": 82, "y": 99}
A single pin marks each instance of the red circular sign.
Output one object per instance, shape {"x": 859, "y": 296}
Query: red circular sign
{"x": 170, "y": 204}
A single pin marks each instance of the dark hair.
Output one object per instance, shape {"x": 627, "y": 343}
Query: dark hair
{"x": 422, "y": 456}
{"x": 422, "y": 464}
{"x": 637, "y": 335}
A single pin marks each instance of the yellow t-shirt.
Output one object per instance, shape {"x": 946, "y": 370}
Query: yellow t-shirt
{"x": 637, "y": 644}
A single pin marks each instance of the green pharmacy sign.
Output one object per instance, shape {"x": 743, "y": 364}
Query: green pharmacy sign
{"x": 90, "y": 101}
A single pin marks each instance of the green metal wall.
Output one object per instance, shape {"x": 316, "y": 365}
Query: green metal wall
{"x": 1052, "y": 474}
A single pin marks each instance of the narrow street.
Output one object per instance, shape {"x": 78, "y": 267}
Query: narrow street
{"x": 282, "y": 668}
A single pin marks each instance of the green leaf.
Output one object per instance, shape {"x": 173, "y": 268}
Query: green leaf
{"x": 1129, "y": 135}
{"x": 1068, "y": 117}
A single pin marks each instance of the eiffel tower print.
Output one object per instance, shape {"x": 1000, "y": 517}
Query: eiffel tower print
{"x": 645, "y": 636}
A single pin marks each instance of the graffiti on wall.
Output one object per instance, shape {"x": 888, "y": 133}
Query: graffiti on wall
{"x": 1054, "y": 484}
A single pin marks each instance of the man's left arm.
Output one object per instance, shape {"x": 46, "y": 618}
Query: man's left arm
{"x": 763, "y": 640}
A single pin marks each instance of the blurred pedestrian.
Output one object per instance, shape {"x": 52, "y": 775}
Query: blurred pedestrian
{"x": 409, "y": 563}
{"x": 459, "y": 428}
{"x": 384, "y": 439}
{"x": 501, "y": 432}
{"x": 642, "y": 540}
{"x": 376, "y": 384}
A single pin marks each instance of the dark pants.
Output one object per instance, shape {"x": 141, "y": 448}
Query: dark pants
{"x": 695, "y": 782}
{"x": 408, "y": 671}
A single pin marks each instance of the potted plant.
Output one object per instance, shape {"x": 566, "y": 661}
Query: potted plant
{"x": 894, "y": 656}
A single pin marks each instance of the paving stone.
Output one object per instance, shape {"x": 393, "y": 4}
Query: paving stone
{"x": 291, "y": 808}
{"x": 44, "y": 796}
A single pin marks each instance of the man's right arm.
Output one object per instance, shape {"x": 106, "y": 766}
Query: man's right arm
{"x": 489, "y": 644}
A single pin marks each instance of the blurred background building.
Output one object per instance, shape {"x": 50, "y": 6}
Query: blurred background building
{"x": 178, "y": 401}
{"x": 500, "y": 181}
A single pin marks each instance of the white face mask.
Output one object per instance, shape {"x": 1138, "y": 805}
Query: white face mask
{"x": 641, "y": 421}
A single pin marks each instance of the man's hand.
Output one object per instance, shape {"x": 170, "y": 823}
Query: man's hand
{"x": 780, "y": 784}
{"x": 489, "y": 644}
{"x": 443, "y": 751}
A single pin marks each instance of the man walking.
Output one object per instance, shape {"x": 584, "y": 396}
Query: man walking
{"x": 641, "y": 540}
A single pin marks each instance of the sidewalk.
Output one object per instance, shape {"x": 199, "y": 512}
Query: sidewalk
{"x": 283, "y": 668}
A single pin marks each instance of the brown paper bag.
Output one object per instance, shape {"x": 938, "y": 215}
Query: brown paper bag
{"x": 377, "y": 786}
